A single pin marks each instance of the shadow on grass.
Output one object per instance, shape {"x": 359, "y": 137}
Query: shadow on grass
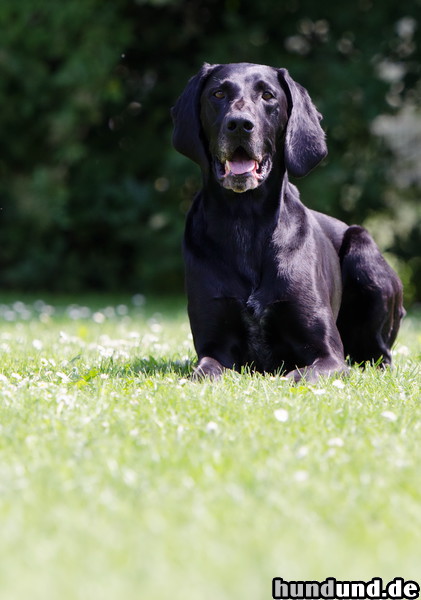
{"x": 149, "y": 367}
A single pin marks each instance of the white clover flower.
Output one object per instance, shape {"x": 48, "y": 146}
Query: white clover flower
{"x": 302, "y": 452}
{"x": 336, "y": 441}
{"x": 129, "y": 477}
{"x": 281, "y": 415}
{"x": 389, "y": 415}
{"x": 37, "y": 344}
{"x": 212, "y": 427}
{"x": 402, "y": 350}
{"x": 122, "y": 310}
{"x": 301, "y": 476}
{"x": 63, "y": 377}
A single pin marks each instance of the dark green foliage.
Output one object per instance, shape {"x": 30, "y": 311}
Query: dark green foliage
{"x": 92, "y": 193}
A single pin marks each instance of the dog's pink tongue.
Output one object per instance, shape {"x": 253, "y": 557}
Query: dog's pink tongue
{"x": 240, "y": 166}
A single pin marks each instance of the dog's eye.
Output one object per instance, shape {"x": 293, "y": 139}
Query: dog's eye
{"x": 267, "y": 96}
{"x": 219, "y": 94}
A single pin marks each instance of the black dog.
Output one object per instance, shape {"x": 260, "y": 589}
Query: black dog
{"x": 270, "y": 283}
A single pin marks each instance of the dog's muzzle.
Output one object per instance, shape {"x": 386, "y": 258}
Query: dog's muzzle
{"x": 241, "y": 171}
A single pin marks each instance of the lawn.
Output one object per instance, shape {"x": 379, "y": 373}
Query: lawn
{"x": 120, "y": 479}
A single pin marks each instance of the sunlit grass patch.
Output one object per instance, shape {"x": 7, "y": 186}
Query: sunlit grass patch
{"x": 120, "y": 477}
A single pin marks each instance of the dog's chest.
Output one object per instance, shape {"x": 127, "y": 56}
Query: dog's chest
{"x": 265, "y": 351}
{"x": 250, "y": 255}
{"x": 259, "y": 352}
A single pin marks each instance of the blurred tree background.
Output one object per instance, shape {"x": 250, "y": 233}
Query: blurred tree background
{"x": 92, "y": 195}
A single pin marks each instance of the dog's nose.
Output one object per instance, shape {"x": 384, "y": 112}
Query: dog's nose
{"x": 239, "y": 124}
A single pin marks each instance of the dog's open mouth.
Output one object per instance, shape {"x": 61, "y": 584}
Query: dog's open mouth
{"x": 240, "y": 163}
{"x": 241, "y": 172}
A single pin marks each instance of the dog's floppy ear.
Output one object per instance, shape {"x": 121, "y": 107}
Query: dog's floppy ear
{"x": 305, "y": 144}
{"x": 187, "y": 137}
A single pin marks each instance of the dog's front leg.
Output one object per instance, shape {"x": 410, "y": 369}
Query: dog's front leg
{"x": 304, "y": 337}
{"x": 219, "y": 335}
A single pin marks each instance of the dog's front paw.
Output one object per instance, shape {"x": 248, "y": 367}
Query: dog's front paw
{"x": 207, "y": 367}
{"x": 320, "y": 368}
{"x": 305, "y": 374}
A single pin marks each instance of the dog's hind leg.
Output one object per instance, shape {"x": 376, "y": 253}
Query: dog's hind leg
{"x": 371, "y": 308}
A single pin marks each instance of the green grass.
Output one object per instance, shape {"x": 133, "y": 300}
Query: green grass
{"x": 121, "y": 479}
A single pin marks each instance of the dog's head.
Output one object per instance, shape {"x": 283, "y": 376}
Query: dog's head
{"x": 237, "y": 120}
